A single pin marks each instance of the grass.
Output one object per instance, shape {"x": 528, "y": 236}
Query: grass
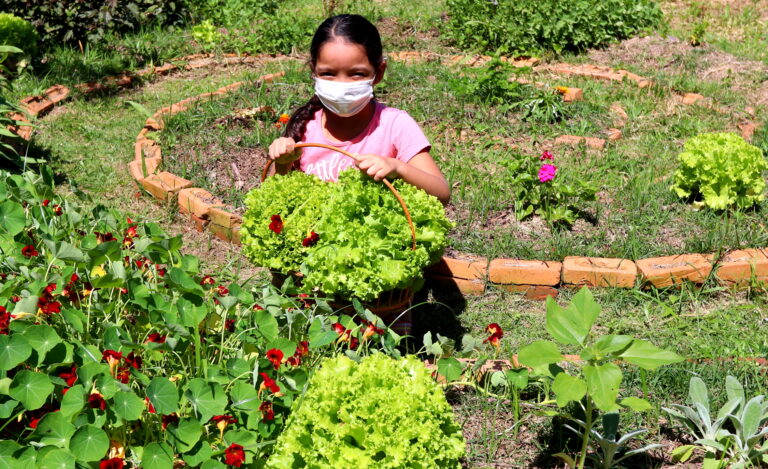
{"x": 89, "y": 141}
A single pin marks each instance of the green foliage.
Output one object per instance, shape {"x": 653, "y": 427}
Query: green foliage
{"x": 231, "y": 12}
{"x": 364, "y": 243}
{"x": 557, "y": 201}
{"x": 596, "y": 378}
{"x": 543, "y": 106}
{"x": 533, "y": 26}
{"x": 721, "y": 169}
{"x": 205, "y": 33}
{"x": 380, "y": 412}
{"x": 87, "y": 20}
{"x": 491, "y": 85}
{"x": 736, "y": 437}
{"x": 105, "y": 320}
{"x": 18, "y": 33}
{"x": 7, "y": 138}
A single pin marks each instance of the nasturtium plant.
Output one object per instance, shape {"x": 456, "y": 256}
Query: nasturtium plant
{"x": 349, "y": 239}
{"x": 721, "y": 171}
{"x": 380, "y": 412}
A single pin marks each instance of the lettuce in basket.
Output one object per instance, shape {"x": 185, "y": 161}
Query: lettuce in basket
{"x": 349, "y": 239}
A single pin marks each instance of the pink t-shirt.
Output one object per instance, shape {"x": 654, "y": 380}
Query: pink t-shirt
{"x": 391, "y": 133}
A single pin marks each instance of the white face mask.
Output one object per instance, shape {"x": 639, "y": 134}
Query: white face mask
{"x": 344, "y": 98}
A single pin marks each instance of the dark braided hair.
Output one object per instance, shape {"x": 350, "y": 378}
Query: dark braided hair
{"x": 354, "y": 29}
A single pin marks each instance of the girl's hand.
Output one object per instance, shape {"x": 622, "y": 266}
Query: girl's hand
{"x": 282, "y": 151}
{"x": 379, "y": 167}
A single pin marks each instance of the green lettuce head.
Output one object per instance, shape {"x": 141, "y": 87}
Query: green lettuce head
{"x": 381, "y": 412}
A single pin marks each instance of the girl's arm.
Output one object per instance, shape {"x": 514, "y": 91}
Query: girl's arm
{"x": 421, "y": 171}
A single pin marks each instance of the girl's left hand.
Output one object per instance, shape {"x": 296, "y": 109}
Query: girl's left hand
{"x": 379, "y": 167}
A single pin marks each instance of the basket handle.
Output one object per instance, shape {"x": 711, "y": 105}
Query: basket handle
{"x": 389, "y": 185}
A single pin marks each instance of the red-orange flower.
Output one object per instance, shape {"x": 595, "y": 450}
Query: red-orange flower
{"x": 267, "y": 413}
{"x": 168, "y": 419}
{"x": 222, "y": 421}
{"x": 69, "y": 377}
{"x": 221, "y": 290}
{"x": 150, "y": 407}
{"x": 276, "y": 224}
{"x": 156, "y": 338}
{"x": 234, "y": 455}
{"x": 275, "y": 356}
{"x": 207, "y": 280}
{"x": 133, "y": 360}
{"x": 96, "y": 401}
{"x": 284, "y": 118}
{"x": 310, "y": 240}
{"x": 268, "y": 383}
{"x": 114, "y": 463}
{"x": 496, "y": 333}
{"x": 29, "y": 251}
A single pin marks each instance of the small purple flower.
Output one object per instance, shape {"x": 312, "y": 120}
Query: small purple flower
{"x": 547, "y": 172}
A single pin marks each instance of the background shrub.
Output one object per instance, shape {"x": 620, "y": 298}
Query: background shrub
{"x": 17, "y": 32}
{"x": 82, "y": 20}
{"x": 533, "y": 26}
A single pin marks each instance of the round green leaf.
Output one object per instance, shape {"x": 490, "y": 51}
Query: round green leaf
{"x": 163, "y": 395}
{"x": 603, "y": 383}
{"x": 31, "y": 389}
{"x": 57, "y": 459}
{"x": 89, "y": 443}
{"x": 12, "y": 219}
{"x": 7, "y": 448}
{"x": 128, "y": 405}
{"x": 42, "y": 338}
{"x": 207, "y": 398}
{"x": 637, "y": 404}
{"x": 54, "y": 429}
{"x": 14, "y": 349}
{"x": 213, "y": 464}
{"x": 73, "y": 401}
{"x": 244, "y": 396}
{"x": 157, "y": 456}
{"x": 185, "y": 435}
{"x": 450, "y": 368}
{"x": 200, "y": 453}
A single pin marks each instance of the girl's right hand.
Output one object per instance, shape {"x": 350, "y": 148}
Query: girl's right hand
{"x": 283, "y": 151}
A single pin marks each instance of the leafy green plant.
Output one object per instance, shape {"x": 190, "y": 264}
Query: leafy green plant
{"x": 20, "y": 34}
{"x": 733, "y": 436}
{"x": 697, "y": 35}
{"x": 609, "y": 444}
{"x": 380, "y": 412}
{"x": 491, "y": 85}
{"x": 539, "y": 190}
{"x": 722, "y": 170}
{"x": 231, "y": 12}
{"x": 593, "y": 380}
{"x": 543, "y": 106}
{"x": 533, "y": 26}
{"x": 349, "y": 239}
{"x": 87, "y": 20}
{"x": 205, "y": 33}
{"x": 112, "y": 341}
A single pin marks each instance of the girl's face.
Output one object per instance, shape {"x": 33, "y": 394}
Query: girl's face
{"x": 343, "y": 61}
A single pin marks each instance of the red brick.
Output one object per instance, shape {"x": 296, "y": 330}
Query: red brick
{"x": 223, "y": 218}
{"x": 228, "y": 234}
{"x": 152, "y": 124}
{"x": 164, "y": 186}
{"x": 271, "y": 77}
{"x": 164, "y": 69}
{"x": 532, "y": 292}
{"x": 742, "y": 266}
{"x": 466, "y": 267}
{"x": 200, "y": 223}
{"x": 90, "y": 87}
{"x": 620, "y": 114}
{"x": 748, "y": 130}
{"x": 599, "y": 272}
{"x": 143, "y": 133}
{"x": 521, "y": 272}
{"x": 691, "y": 98}
{"x": 571, "y": 94}
{"x": 574, "y": 140}
{"x": 152, "y": 150}
{"x": 197, "y": 201}
{"x": 137, "y": 172}
{"x": 673, "y": 270}
{"x": 57, "y": 93}
{"x": 613, "y": 134}
{"x": 36, "y": 105}
{"x": 451, "y": 284}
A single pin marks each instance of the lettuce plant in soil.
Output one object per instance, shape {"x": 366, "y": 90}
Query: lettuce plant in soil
{"x": 349, "y": 239}
{"x": 380, "y": 412}
{"x": 117, "y": 350}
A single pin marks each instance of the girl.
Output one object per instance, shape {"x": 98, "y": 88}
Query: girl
{"x": 346, "y": 61}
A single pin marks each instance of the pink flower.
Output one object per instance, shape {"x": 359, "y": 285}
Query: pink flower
{"x": 547, "y": 172}
{"x": 547, "y": 156}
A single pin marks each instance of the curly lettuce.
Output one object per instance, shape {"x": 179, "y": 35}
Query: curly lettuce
{"x": 364, "y": 244}
{"x": 723, "y": 169}
{"x": 381, "y": 412}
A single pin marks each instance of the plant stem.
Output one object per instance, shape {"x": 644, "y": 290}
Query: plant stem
{"x": 587, "y": 430}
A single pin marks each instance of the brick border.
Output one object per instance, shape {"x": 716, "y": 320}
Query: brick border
{"x": 464, "y": 273}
